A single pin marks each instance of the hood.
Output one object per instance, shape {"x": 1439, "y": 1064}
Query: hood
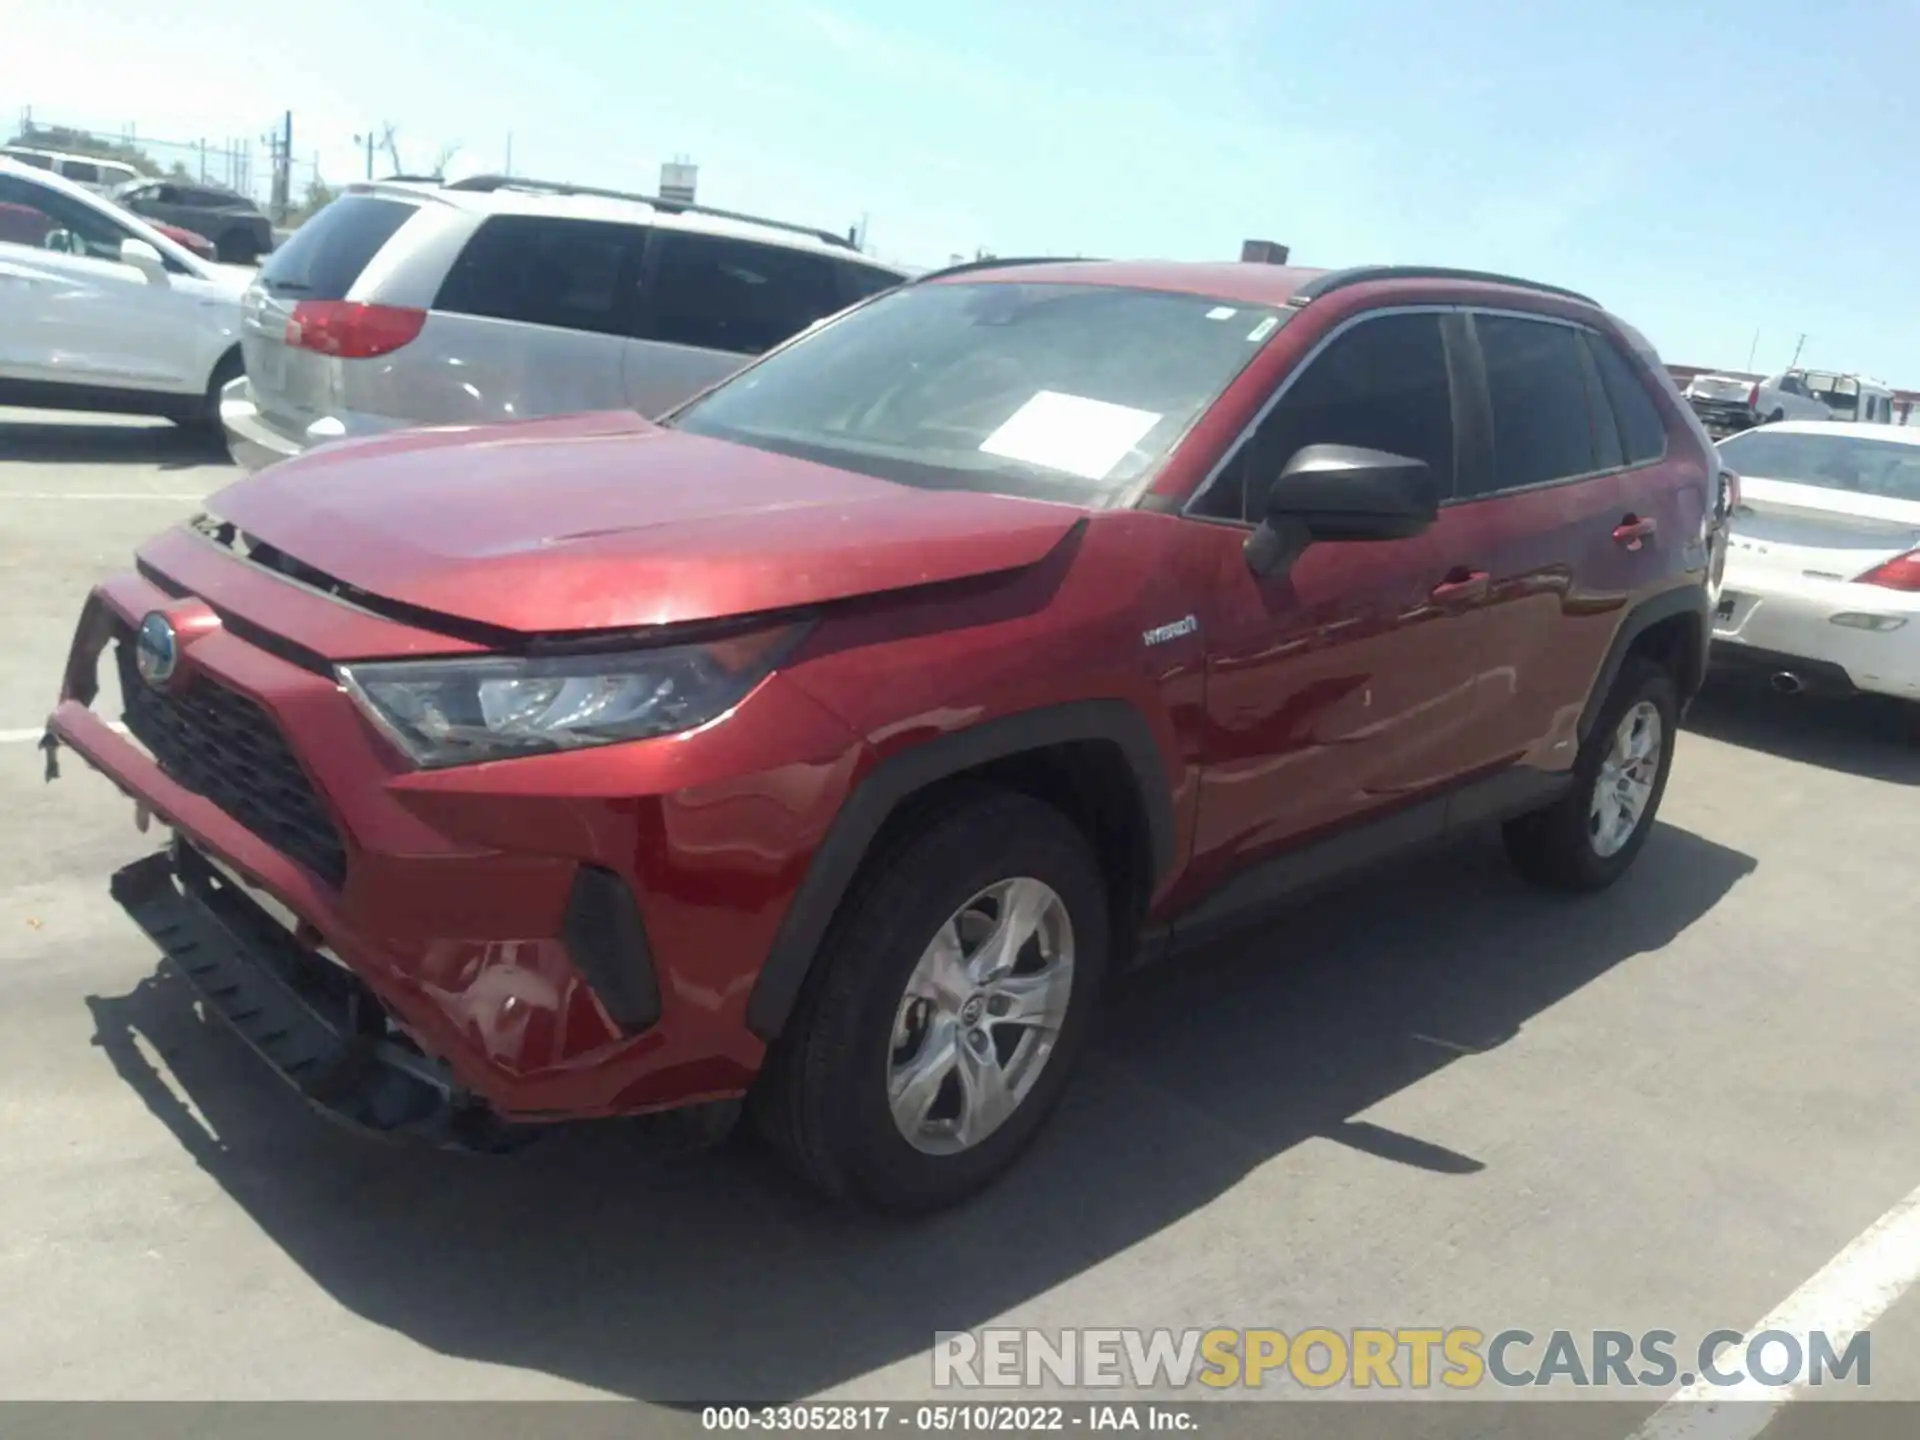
{"x": 609, "y": 522}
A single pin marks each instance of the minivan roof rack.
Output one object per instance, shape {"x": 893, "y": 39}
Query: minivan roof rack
{"x": 1359, "y": 274}
{"x": 487, "y": 184}
{"x": 1007, "y": 262}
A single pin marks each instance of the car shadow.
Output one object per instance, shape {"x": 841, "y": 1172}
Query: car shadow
{"x": 159, "y": 443}
{"x": 1864, "y": 735}
{"x": 601, "y": 1257}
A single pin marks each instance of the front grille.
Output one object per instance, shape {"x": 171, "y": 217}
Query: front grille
{"x": 220, "y": 745}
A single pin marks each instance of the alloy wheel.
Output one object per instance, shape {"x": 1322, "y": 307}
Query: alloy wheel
{"x": 981, "y": 1015}
{"x": 1624, "y": 786}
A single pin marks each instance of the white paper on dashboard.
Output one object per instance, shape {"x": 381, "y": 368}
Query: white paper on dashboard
{"x": 1072, "y": 433}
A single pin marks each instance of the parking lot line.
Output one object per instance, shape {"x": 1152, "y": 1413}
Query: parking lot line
{"x": 110, "y": 495}
{"x": 1846, "y": 1296}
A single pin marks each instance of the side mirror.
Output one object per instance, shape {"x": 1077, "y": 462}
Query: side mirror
{"x": 144, "y": 258}
{"x": 1342, "y": 493}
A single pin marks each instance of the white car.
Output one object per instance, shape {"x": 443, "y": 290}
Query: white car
{"x": 100, "y": 311}
{"x": 1822, "y": 585}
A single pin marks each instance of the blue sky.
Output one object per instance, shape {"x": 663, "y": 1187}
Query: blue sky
{"x": 1708, "y": 171}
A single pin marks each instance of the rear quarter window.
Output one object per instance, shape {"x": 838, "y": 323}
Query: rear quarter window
{"x": 324, "y": 257}
{"x": 1642, "y": 432}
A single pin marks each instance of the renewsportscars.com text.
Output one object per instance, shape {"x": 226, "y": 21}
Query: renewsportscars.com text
{"x": 1416, "y": 1358}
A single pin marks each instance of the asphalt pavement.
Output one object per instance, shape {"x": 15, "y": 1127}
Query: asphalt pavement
{"x": 1433, "y": 1098}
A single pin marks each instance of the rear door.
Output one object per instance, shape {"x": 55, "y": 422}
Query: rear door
{"x": 322, "y": 260}
{"x": 710, "y": 303}
{"x": 1544, "y": 515}
{"x": 532, "y": 319}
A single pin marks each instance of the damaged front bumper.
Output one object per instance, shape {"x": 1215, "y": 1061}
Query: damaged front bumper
{"x": 313, "y": 1021}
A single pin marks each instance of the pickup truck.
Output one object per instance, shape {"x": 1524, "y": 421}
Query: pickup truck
{"x": 1727, "y": 405}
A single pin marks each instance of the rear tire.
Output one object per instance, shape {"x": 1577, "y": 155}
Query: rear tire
{"x": 901, "y": 1044}
{"x": 238, "y": 247}
{"x": 1587, "y": 839}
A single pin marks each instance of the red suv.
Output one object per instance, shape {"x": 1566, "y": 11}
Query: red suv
{"x": 823, "y": 747}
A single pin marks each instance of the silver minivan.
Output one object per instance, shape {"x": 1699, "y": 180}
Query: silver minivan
{"x": 404, "y": 304}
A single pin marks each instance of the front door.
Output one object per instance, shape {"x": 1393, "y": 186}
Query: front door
{"x": 73, "y": 313}
{"x": 1347, "y": 687}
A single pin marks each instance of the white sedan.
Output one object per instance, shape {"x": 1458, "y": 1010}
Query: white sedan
{"x": 1822, "y": 584}
{"x": 100, "y": 311}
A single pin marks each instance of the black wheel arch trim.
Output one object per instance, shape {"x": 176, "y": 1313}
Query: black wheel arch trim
{"x": 895, "y": 779}
{"x": 1690, "y": 600}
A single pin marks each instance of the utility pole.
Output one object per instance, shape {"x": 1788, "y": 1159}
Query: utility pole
{"x": 283, "y": 169}
{"x": 1752, "y": 351}
{"x": 1796, "y": 353}
{"x": 509, "y": 168}
{"x": 367, "y": 140}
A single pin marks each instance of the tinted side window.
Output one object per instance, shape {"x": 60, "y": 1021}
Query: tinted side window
{"x": 857, "y": 282}
{"x": 1542, "y": 423}
{"x": 1642, "y": 430}
{"x": 1383, "y": 385}
{"x": 724, "y": 294}
{"x": 322, "y": 259}
{"x": 70, "y": 226}
{"x": 571, "y": 274}
{"x": 80, "y": 171}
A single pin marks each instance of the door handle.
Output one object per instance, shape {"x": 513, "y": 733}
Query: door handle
{"x": 1632, "y": 530}
{"x": 1460, "y": 584}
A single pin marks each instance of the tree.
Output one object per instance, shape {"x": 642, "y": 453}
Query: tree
{"x": 319, "y": 195}
{"x": 81, "y": 142}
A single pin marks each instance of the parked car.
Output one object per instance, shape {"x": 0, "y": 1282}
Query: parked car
{"x": 240, "y": 231}
{"x": 829, "y": 743}
{"x": 410, "y": 303}
{"x": 1846, "y": 397}
{"x": 1728, "y": 405}
{"x": 1822, "y": 588}
{"x": 89, "y": 172}
{"x": 188, "y": 239}
{"x": 100, "y": 311}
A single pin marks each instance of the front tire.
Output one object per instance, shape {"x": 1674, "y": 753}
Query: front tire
{"x": 1588, "y": 838}
{"x": 959, "y": 981}
{"x": 201, "y": 418}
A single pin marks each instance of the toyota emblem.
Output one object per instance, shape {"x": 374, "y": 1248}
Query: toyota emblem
{"x": 156, "y": 651}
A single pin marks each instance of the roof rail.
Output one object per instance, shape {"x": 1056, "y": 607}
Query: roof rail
{"x": 487, "y": 184}
{"x": 1339, "y": 280}
{"x": 1003, "y": 263}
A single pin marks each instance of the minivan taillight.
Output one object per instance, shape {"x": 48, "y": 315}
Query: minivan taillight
{"x": 352, "y": 330}
{"x": 1900, "y": 573}
{"x": 1753, "y": 398}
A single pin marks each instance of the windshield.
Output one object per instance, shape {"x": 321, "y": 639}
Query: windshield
{"x": 1062, "y": 392}
{"x": 1887, "y": 468}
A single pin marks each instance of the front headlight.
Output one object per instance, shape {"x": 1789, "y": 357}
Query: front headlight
{"x": 457, "y": 712}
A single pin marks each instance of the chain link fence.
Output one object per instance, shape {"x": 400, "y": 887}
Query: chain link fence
{"x": 245, "y": 166}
